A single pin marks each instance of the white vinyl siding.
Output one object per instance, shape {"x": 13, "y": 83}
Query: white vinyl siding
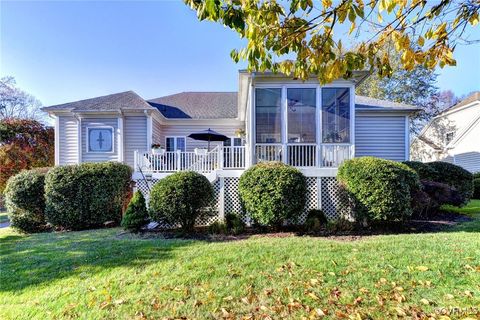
{"x": 469, "y": 161}
{"x": 68, "y": 140}
{"x": 135, "y": 137}
{"x": 382, "y": 136}
{"x": 99, "y": 123}
{"x": 185, "y": 130}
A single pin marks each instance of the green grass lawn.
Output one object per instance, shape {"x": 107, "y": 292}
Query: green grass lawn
{"x": 99, "y": 275}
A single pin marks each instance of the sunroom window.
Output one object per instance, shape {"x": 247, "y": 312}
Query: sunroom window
{"x": 301, "y": 115}
{"x": 268, "y": 115}
{"x": 336, "y": 115}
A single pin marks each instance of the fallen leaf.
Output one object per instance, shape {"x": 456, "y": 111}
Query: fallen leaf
{"x": 400, "y": 312}
{"x": 313, "y": 296}
{"x": 425, "y": 301}
{"x": 422, "y": 268}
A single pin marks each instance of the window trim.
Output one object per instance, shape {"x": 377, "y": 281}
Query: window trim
{"x": 351, "y": 119}
{"x": 175, "y": 142}
{"x": 87, "y": 142}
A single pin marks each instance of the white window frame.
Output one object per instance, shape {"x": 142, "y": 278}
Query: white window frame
{"x": 100, "y": 127}
{"x": 175, "y": 142}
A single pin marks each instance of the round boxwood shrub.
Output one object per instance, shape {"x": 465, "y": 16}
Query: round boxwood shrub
{"x": 181, "y": 198}
{"x": 25, "y": 200}
{"x": 424, "y": 171}
{"x": 87, "y": 195}
{"x": 454, "y": 176}
{"x": 136, "y": 215}
{"x": 273, "y": 192}
{"x": 381, "y": 189}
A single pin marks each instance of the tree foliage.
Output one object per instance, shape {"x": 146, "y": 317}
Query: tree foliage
{"x": 24, "y": 144}
{"x": 310, "y": 33}
{"x": 16, "y": 103}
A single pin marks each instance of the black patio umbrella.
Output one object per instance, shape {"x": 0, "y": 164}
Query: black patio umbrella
{"x": 208, "y": 135}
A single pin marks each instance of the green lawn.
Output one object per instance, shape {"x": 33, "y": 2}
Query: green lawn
{"x": 98, "y": 275}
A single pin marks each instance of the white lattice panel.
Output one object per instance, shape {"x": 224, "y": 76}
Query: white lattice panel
{"x": 330, "y": 197}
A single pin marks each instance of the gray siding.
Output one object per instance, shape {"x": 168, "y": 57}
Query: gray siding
{"x": 380, "y": 136}
{"x": 135, "y": 137}
{"x": 99, "y": 156}
{"x": 156, "y": 132}
{"x": 469, "y": 161}
{"x": 68, "y": 140}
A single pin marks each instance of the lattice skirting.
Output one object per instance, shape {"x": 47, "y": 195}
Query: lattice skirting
{"x": 322, "y": 193}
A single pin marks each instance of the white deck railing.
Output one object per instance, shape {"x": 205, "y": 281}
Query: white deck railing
{"x": 233, "y": 157}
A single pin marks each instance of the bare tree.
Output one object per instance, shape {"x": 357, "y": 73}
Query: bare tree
{"x": 16, "y": 103}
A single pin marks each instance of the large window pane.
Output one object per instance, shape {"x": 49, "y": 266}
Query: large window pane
{"x": 336, "y": 115}
{"x": 301, "y": 115}
{"x": 268, "y": 115}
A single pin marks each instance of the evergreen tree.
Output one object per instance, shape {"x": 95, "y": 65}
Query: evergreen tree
{"x": 136, "y": 215}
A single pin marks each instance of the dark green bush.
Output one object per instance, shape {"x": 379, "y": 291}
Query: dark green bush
{"x": 316, "y": 219}
{"x": 381, "y": 188}
{"x": 136, "y": 215}
{"x": 440, "y": 194}
{"x": 273, "y": 192}
{"x": 454, "y": 176}
{"x": 424, "y": 171}
{"x": 218, "y": 227}
{"x": 476, "y": 188}
{"x": 234, "y": 223}
{"x": 180, "y": 199}
{"x": 25, "y": 200}
{"x": 87, "y": 195}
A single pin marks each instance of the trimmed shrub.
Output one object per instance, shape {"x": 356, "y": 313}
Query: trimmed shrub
{"x": 180, "y": 199}
{"x": 25, "y": 200}
{"x": 315, "y": 220}
{"x": 455, "y": 176}
{"x": 234, "y": 223}
{"x": 424, "y": 171}
{"x": 476, "y": 188}
{"x": 136, "y": 215}
{"x": 86, "y": 195}
{"x": 273, "y": 192}
{"x": 381, "y": 188}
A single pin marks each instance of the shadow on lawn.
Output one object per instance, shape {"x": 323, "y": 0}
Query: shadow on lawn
{"x": 40, "y": 258}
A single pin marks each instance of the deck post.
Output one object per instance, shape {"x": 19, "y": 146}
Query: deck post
{"x": 179, "y": 160}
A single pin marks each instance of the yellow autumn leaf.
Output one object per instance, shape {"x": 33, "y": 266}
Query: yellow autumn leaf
{"x": 400, "y": 312}
{"x": 313, "y": 296}
{"x": 422, "y": 268}
{"x": 425, "y": 301}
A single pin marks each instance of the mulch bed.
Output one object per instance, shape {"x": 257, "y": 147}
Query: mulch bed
{"x": 442, "y": 222}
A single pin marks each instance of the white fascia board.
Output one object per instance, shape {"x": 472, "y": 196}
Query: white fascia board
{"x": 448, "y": 112}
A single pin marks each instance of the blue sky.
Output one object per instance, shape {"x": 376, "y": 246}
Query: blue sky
{"x": 63, "y": 51}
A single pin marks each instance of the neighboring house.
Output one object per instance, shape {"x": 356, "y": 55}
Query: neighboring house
{"x": 452, "y": 136}
{"x": 271, "y": 117}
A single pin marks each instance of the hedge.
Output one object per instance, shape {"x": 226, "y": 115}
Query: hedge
{"x": 273, "y": 192}
{"x": 86, "y": 195}
{"x": 25, "y": 200}
{"x": 454, "y": 176}
{"x": 180, "y": 199}
{"x": 424, "y": 171}
{"x": 381, "y": 189}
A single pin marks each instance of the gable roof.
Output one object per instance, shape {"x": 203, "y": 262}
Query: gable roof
{"x": 475, "y": 96}
{"x": 127, "y": 100}
{"x": 197, "y": 105}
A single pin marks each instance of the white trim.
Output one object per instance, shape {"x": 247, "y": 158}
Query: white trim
{"x": 352, "y": 121}
{"x": 57, "y": 140}
{"x": 120, "y": 139}
{"x": 448, "y": 112}
{"x": 149, "y": 132}
{"x": 221, "y": 199}
{"x": 318, "y": 117}
{"x": 251, "y": 125}
{"x": 284, "y": 123}
{"x": 79, "y": 139}
{"x": 99, "y": 127}
{"x": 407, "y": 138}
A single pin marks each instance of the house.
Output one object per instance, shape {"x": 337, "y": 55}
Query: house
{"x": 271, "y": 117}
{"x": 452, "y": 136}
